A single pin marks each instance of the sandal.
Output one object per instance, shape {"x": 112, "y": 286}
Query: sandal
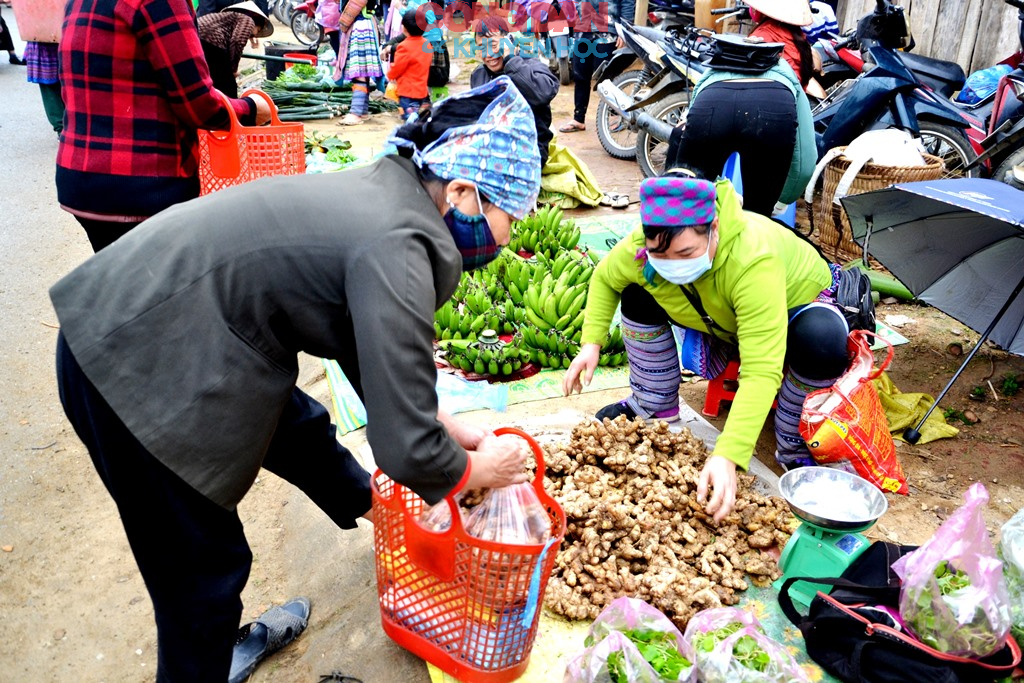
{"x": 351, "y": 120}
{"x": 615, "y": 200}
{"x": 275, "y": 628}
{"x": 572, "y": 127}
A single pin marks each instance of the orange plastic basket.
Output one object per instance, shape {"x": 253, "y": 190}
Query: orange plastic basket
{"x": 243, "y": 153}
{"x": 466, "y": 605}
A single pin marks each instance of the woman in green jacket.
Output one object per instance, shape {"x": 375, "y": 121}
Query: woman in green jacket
{"x": 725, "y": 282}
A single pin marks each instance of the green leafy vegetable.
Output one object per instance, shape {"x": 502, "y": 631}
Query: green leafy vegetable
{"x": 940, "y": 618}
{"x": 746, "y": 650}
{"x": 658, "y": 649}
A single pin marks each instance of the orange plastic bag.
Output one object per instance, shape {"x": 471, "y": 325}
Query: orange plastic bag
{"x": 391, "y": 92}
{"x": 847, "y": 422}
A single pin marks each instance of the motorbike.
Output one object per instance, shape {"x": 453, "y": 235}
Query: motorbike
{"x": 617, "y": 137}
{"x": 283, "y": 10}
{"x": 304, "y": 26}
{"x": 1003, "y": 146}
{"x": 887, "y": 95}
{"x": 654, "y": 110}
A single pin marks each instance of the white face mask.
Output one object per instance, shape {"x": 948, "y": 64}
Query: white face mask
{"x": 682, "y": 271}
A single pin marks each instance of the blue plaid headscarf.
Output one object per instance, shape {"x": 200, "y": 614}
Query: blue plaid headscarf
{"x": 498, "y": 152}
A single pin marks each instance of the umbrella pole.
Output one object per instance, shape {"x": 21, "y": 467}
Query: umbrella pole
{"x": 913, "y": 435}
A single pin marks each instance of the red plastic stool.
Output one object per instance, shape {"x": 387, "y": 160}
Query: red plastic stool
{"x": 717, "y": 392}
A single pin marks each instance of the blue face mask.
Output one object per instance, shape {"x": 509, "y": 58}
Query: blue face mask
{"x": 472, "y": 235}
{"x": 682, "y": 271}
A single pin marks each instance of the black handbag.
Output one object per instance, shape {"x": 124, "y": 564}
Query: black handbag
{"x": 854, "y": 640}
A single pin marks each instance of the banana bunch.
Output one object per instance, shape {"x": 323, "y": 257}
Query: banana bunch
{"x": 613, "y": 353}
{"x": 455, "y": 322}
{"x": 557, "y": 300}
{"x": 544, "y": 232}
{"x": 485, "y": 359}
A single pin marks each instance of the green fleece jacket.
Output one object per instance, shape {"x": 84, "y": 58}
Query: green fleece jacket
{"x": 760, "y": 271}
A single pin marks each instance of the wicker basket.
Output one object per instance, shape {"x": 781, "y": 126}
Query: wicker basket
{"x": 834, "y": 235}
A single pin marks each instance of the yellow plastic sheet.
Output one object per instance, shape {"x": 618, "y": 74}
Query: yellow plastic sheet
{"x": 566, "y": 181}
{"x": 906, "y": 410}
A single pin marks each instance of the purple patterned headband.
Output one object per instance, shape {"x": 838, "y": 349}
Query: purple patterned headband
{"x": 676, "y": 201}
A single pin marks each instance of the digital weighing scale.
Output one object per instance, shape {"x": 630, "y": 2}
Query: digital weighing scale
{"x": 834, "y": 506}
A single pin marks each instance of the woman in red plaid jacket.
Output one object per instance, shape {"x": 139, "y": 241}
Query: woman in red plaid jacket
{"x": 137, "y": 89}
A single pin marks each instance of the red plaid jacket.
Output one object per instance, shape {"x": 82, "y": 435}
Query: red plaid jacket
{"x": 136, "y": 88}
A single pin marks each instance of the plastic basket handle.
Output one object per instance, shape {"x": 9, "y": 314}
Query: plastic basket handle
{"x": 225, "y": 157}
{"x": 434, "y": 551}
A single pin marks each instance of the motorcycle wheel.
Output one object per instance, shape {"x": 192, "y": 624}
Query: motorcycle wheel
{"x": 651, "y": 152}
{"x": 1003, "y": 172}
{"x": 952, "y": 146}
{"x": 283, "y": 10}
{"x": 306, "y": 30}
{"x": 616, "y": 136}
{"x": 564, "y": 71}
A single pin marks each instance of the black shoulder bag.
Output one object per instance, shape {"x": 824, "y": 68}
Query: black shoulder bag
{"x": 853, "y": 640}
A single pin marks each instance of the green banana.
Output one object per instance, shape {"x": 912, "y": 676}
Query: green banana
{"x": 537, "y": 321}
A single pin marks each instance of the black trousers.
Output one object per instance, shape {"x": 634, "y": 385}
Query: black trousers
{"x": 587, "y": 55}
{"x": 756, "y": 119}
{"x": 815, "y": 341}
{"x": 104, "y": 233}
{"x": 192, "y": 553}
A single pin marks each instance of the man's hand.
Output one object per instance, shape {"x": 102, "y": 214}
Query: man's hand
{"x": 497, "y": 461}
{"x": 262, "y": 110}
{"x": 720, "y": 473}
{"x": 466, "y": 435}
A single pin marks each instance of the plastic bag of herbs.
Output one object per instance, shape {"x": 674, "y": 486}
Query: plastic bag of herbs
{"x": 730, "y": 646}
{"x": 631, "y": 642}
{"x": 1011, "y": 552}
{"x": 953, "y": 596}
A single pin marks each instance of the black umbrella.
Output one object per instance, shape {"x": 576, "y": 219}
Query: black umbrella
{"x": 957, "y": 245}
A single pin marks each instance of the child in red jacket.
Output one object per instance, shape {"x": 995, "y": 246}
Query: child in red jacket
{"x": 411, "y": 67}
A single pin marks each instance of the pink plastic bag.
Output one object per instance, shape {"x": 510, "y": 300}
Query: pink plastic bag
{"x": 612, "y": 654}
{"x": 730, "y": 647}
{"x": 954, "y": 597}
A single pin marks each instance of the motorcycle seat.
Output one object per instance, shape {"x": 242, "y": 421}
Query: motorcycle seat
{"x": 941, "y": 76}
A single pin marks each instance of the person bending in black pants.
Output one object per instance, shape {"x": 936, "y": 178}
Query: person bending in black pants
{"x": 765, "y": 118}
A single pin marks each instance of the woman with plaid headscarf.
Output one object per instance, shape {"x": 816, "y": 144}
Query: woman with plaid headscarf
{"x": 722, "y": 281}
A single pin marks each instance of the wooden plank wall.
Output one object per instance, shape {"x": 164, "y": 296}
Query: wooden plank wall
{"x": 974, "y": 33}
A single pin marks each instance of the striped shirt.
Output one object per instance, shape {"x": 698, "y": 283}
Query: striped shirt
{"x": 136, "y": 87}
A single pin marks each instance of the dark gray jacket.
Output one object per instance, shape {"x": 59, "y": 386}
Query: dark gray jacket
{"x": 190, "y": 325}
{"x": 538, "y": 85}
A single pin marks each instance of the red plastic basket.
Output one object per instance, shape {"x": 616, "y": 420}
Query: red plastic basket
{"x": 466, "y": 605}
{"x": 243, "y": 153}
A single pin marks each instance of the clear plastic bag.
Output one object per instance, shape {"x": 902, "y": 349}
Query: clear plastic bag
{"x": 1011, "y": 552}
{"x": 438, "y": 518}
{"x": 613, "y": 660}
{"x": 512, "y": 514}
{"x": 649, "y": 647}
{"x": 730, "y": 646}
{"x": 953, "y": 597}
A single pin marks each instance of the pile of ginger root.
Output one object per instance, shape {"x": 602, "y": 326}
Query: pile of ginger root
{"x": 634, "y": 526}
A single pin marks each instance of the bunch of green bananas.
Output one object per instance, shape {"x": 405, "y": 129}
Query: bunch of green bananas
{"x": 544, "y": 232}
{"x": 486, "y": 360}
{"x": 557, "y": 300}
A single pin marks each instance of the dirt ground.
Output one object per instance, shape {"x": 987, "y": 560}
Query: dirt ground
{"x": 74, "y": 606}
